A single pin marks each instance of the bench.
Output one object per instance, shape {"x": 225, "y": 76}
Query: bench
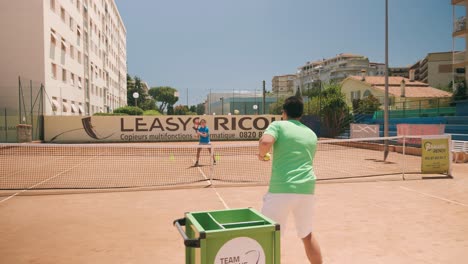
{"x": 460, "y": 151}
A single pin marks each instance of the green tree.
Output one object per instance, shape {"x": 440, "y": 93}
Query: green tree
{"x": 151, "y": 113}
{"x": 129, "y": 110}
{"x": 193, "y": 108}
{"x": 181, "y": 110}
{"x": 148, "y": 104}
{"x": 135, "y": 85}
{"x": 460, "y": 91}
{"x": 170, "y": 110}
{"x": 165, "y": 95}
{"x": 312, "y": 106}
{"x": 200, "y": 109}
{"x": 277, "y": 107}
{"x": 298, "y": 92}
{"x": 335, "y": 113}
{"x": 367, "y": 105}
{"x": 130, "y": 89}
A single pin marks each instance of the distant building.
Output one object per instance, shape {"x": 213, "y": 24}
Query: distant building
{"x": 311, "y": 75}
{"x": 401, "y": 90}
{"x": 246, "y": 102}
{"x": 283, "y": 85}
{"x": 436, "y": 69}
{"x": 399, "y": 71}
{"x": 460, "y": 30}
{"x": 145, "y": 86}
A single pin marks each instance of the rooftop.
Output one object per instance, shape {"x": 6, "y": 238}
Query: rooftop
{"x": 413, "y": 89}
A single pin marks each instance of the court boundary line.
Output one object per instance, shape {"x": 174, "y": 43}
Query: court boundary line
{"x": 212, "y": 187}
{"x": 46, "y": 180}
{"x": 433, "y": 196}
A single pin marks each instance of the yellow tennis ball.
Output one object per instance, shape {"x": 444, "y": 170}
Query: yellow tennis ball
{"x": 267, "y": 157}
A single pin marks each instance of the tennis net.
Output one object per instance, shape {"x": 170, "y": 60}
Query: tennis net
{"x": 108, "y": 166}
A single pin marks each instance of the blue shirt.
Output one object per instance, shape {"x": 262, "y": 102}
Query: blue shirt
{"x": 204, "y": 140}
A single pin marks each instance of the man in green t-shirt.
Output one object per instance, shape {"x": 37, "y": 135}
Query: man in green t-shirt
{"x": 292, "y": 182}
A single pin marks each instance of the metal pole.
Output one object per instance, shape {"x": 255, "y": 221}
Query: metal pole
{"x": 19, "y": 97}
{"x": 209, "y": 103}
{"x": 31, "y": 106}
{"x": 264, "y": 91}
{"x": 41, "y": 114}
{"x": 6, "y": 126}
{"x": 386, "y": 83}
{"x": 453, "y": 49}
{"x": 187, "y": 97}
{"x": 222, "y": 105}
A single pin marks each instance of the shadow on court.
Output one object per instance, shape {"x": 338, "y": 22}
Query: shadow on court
{"x": 417, "y": 221}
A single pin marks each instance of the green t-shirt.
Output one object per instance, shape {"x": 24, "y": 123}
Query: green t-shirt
{"x": 293, "y": 155}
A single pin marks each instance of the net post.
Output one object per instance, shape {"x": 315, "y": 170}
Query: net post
{"x": 6, "y": 126}
{"x": 404, "y": 156}
{"x": 211, "y": 162}
{"x": 449, "y": 172}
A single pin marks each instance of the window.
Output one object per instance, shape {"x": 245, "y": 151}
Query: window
{"x": 73, "y": 107}
{"x": 355, "y": 95}
{"x": 78, "y": 5}
{"x": 80, "y": 108}
{"x": 62, "y": 14}
{"x": 52, "y": 5}
{"x": 54, "y": 70}
{"x": 78, "y": 37}
{"x": 64, "y": 51}
{"x": 64, "y": 75}
{"x": 71, "y": 23}
{"x": 445, "y": 68}
{"x": 79, "y": 83}
{"x": 72, "y": 79}
{"x": 55, "y": 104}
{"x": 72, "y": 52}
{"x": 366, "y": 93}
{"x": 53, "y": 45}
{"x": 64, "y": 106}
{"x": 79, "y": 57}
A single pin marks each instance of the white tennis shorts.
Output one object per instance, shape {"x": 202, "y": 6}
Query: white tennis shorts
{"x": 277, "y": 206}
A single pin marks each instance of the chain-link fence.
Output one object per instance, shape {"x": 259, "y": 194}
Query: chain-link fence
{"x": 24, "y": 108}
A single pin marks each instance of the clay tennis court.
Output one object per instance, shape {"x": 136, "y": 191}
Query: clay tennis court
{"x": 358, "y": 220}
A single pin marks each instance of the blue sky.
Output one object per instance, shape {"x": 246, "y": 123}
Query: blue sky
{"x": 235, "y": 44}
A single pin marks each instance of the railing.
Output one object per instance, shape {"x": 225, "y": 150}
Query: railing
{"x": 419, "y": 108}
{"x": 459, "y": 24}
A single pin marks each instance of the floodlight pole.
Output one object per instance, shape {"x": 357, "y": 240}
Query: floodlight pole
{"x": 222, "y": 105}
{"x": 264, "y": 92}
{"x": 386, "y": 83}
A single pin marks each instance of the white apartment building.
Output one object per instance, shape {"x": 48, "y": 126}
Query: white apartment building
{"x": 75, "y": 48}
{"x": 460, "y": 33}
{"x": 283, "y": 84}
{"x": 312, "y": 74}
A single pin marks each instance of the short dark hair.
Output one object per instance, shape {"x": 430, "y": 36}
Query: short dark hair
{"x": 293, "y": 106}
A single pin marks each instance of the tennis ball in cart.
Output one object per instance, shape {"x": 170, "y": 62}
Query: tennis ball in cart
{"x": 267, "y": 156}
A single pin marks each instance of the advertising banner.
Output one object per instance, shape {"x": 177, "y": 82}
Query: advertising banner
{"x": 364, "y": 131}
{"x": 418, "y": 130}
{"x": 435, "y": 155}
{"x": 74, "y": 129}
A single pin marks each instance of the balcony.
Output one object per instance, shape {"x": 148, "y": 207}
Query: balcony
{"x": 459, "y": 27}
{"x": 458, "y": 2}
